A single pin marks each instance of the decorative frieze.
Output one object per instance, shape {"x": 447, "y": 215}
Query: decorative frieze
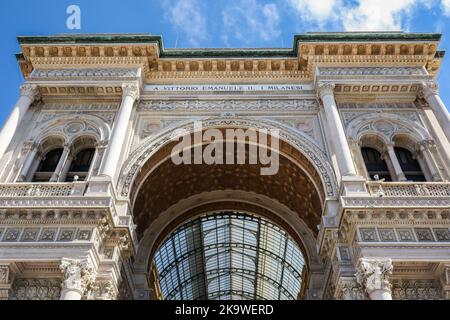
{"x": 371, "y": 71}
{"x": 92, "y": 74}
{"x": 36, "y": 289}
{"x": 382, "y": 234}
{"x": 420, "y": 289}
{"x": 46, "y": 234}
{"x": 349, "y": 289}
{"x": 263, "y": 105}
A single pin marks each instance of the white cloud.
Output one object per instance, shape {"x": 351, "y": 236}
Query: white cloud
{"x": 373, "y": 15}
{"x": 186, "y": 17}
{"x": 317, "y": 11}
{"x": 361, "y": 15}
{"x": 248, "y": 21}
{"x": 446, "y": 6}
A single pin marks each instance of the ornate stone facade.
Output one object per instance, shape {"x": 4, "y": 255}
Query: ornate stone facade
{"x": 106, "y": 107}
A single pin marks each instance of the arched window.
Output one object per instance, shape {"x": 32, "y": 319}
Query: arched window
{"x": 375, "y": 164}
{"x": 81, "y": 164}
{"x": 410, "y": 166}
{"x": 47, "y": 165}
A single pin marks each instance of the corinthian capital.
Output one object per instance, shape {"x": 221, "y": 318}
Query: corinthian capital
{"x": 373, "y": 274}
{"x": 429, "y": 88}
{"x": 130, "y": 89}
{"x": 29, "y": 90}
{"x": 78, "y": 275}
{"x": 325, "y": 88}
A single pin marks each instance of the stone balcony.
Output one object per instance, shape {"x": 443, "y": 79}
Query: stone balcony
{"x": 17, "y": 200}
{"x": 400, "y": 194}
{"x": 408, "y": 189}
{"x": 12, "y": 190}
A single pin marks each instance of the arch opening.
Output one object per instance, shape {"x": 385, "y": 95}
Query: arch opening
{"x": 165, "y": 195}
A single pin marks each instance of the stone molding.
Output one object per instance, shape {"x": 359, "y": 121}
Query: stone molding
{"x": 371, "y": 71}
{"x": 92, "y": 74}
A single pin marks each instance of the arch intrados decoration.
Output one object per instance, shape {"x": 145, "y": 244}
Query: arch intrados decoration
{"x": 291, "y": 155}
{"x": 170, "y": 183}
{"x": 389, "y": 126}
{"x": 239, "y": 201}
{"x": 82, "y": 125}
{"x": 375, "y": 141}
{"x": 83, "y": 141}
{"x": 406, "y": 141}
{"x": 49, "y": 142}
{"x": 155, "y": 146}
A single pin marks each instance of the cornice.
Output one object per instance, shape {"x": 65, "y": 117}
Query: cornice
{"x": 309, "y": 51}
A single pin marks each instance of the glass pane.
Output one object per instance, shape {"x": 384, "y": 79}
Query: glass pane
{"x": 229, "y": 256}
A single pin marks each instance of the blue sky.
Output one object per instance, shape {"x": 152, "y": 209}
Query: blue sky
{"x": 218, "y": 23}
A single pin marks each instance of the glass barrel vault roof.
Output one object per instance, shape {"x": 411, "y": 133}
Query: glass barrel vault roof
{"x": 229, "y": 256}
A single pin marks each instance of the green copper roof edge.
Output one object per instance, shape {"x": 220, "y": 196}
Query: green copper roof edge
{"x": 220, "y": 52}
{"x": 370, "y": 36}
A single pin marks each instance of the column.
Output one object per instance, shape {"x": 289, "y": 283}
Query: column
{"x": 355, "y": 147}
{"x": 373, "y": 275}
{"x": 61, "y": 162}
{"x": 431, "y": 95}
{"x": 32, "y": 149}
{"x": 65, "y": 170}
{"x": 6, "y": 280}
{"x": 430, "y": 164}
{"x": 337, "y": 134}
{"x": 117, "y": 139}
{"x": 28, "y": 93}
{"x": 445, "y": 282}
{"x": 399, "y": 175}
{"x": 35, "y": 165}
{"x": 78, "y": 277}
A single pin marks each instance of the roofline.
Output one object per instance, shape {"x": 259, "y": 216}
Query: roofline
{"x": 222, "y": 52}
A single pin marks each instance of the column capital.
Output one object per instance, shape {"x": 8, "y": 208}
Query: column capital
{"x": 325, "y": 88}
{"x": 426, "y": 144}
{"x": 101, "y": 144}
{"x": 78, "y": 275}
{"x": 429, "y": 88}
{"x": 130, "y": 89}
{"x": 389, "y": 146}
{"x": 29, "y": 90}
{"x": 373, "y": 274}
{"x": 5, "y": 274}
{"x": 28, "y": 146}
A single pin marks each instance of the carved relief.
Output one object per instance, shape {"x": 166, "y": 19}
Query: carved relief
{"x": 374, "y": 274}
{"x": 78, "y": 275}
{"x": 36, "y": 289}
{"x": 349, "y": 289}
{"x": 405, "y": 289}
{"x": 230, "y": 105}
